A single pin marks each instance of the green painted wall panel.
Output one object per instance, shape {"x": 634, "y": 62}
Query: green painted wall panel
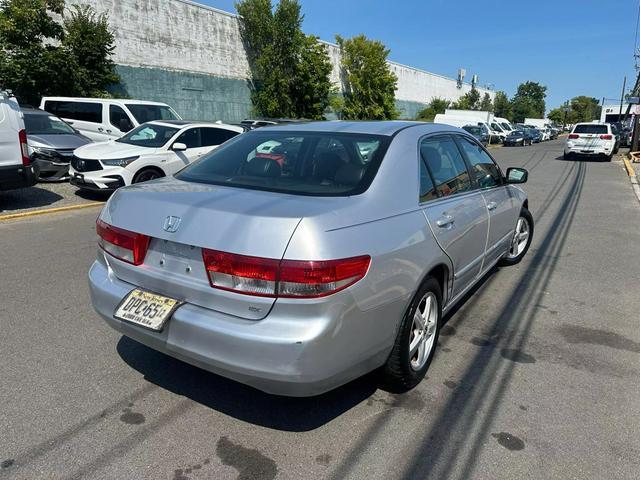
{"x": 194, "y": 96}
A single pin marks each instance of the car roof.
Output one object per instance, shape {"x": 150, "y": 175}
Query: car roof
{"x": 384, "y": 127}
{"x": 36, "y": 111}
{"x": 120, "y": 100}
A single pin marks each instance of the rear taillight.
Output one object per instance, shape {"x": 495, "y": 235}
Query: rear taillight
{"x": 24, "y": 147}
{"x": 606, "y": 137}
{"x": 574, "y": 136}
{"x": 127, "y": 246}
{"x": 287, "y": 278}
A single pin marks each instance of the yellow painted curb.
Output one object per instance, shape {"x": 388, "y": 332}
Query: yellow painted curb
{"x": 33, "y": 213}
{"x": 627, "y": 165}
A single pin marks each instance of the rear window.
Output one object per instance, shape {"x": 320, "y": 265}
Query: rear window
{"x": 597, "y": 129}
{"x": 299, "y": 163}
{"x": 83, "y": 111}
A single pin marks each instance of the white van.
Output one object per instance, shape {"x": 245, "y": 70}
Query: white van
{"x": 505, "y": 124}
{"x": 16, "y": 170}
{"x": 496, "y": 135}
{"x": 104, "y": 118}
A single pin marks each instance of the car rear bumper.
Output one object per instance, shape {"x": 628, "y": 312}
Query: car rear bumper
{"x": 283, "y": 354}
{"x": 591, "y": 150}
{"x": 18, "y": 176}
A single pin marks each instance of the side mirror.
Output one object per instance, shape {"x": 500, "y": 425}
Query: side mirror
{"x": 517, "y": 175}
{"x": 125, "y": 125}
{"x": 179, "y": 147}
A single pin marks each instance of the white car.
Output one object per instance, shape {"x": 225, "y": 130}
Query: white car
{"x": 103, "y": 119}
{"x": 16, "y": 170}
{"x": 153, "y": 150}
{"x": 590, "y": 139}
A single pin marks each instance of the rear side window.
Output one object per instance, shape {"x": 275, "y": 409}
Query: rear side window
{"x": 191, "y": 138}
{"x": 216, "y": 136}
{"x": 83, "y": 111}
{"x": 147, "y": 113}
{"x": 485, "y": 170}
{"x": 594, "y": 129}
{"x": 300, "y": 163}
{"x": 446, "y": 165}
{"x": 427, "y": 188}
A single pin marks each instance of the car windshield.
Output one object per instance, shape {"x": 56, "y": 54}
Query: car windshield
{"x": 473, "y": 130}
{"x": 505, "y": 126}
{"x": 517, "y": 132}
{"x": 149, "y": 135}
{"x": 43, "y": 124}
{"x": 147, "y": 113}
{"x": 299, "y": 163}
{"x": 593, "y": 128}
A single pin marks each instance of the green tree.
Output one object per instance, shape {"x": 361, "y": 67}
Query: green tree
{"x": 557, "y": 116}
{"x": 289, "y": 70}
{"x": 42, "y": 56}
{"x": 369, "y": 84}
{"x": 486, "y": 105}
{"x": 89, "y": 45}
{"x": 469, "y": 101}
{"x": 502, "y": 106}
{"x": 586, "y": 108}
{"x": 436, "y": 106}
{"x": 529, "y": 101}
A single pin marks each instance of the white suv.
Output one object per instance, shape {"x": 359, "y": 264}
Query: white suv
{"x": 16, "y": 170}
{"x": 590, "y": 139}
{"x": 153, "y": 150}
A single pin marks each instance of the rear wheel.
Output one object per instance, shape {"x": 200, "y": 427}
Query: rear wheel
{"x": 147, "y": 174}
{"x": 521, "y": 240}
{"x": 416, "y": 341}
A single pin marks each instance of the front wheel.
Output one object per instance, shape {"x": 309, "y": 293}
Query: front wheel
{"x": 521, "y": 240}
{"x": 147, "y": 174}
{"x": 416, "y": 341}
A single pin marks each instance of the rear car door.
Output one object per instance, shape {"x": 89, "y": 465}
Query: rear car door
{"x": 501, "y": 206}
{"x": 458, "y": 216}
{"x": 176, "y": 160}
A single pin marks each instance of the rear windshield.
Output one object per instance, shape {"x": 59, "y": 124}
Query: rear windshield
{"x": 300, "y": 163}
{"x": 599, "y": 129}
{"x": 147, "y": 113}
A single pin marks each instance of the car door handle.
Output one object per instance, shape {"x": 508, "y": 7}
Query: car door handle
{"x": 445, "y": 221}
{"x": 100, "y": 129}
{"x": 108, "y": 131}
{"x": 492, "y": 206}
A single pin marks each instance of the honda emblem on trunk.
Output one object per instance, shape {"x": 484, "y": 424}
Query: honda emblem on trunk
{"x": 171, "y": 224}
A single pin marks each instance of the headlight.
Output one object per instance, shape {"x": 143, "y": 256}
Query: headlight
{"x": 44, "y": 152}
{"x": 119, "y": 162}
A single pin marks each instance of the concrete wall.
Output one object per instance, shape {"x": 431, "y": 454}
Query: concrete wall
{"x": 191, "y": 56}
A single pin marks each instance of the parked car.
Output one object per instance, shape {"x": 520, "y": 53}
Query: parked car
{"x": 533, "y": 132}
{"x": 153, "y": 150}
{"x": 295, "y": 275}
{"x": 480, "y": 132}
{"x": 16, "y": 170}
{"x": 616, "y": 136}
{"x": 590, "y": 139}
{"x": 106, "y": 119}
{"x": 518, "y": 137}
{"x": 51, "y": 144}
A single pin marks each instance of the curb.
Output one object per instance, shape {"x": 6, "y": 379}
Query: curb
{"x": 635, "y": 185}
{"x": 46, "y": 211}
{"x": 628, "y": 167}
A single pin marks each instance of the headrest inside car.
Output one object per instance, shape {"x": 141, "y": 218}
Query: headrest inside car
{"x": 263, "y": 167}
{"x": 350, "y": 174}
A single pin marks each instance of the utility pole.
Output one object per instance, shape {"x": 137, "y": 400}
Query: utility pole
{"x": 624, "y": 85}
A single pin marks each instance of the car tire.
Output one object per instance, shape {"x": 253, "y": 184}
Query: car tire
{"x": 566, "y": 156}
{"x": 518, "y": 250}
{"x": 147, "y": 174}
{"x": 404, "y": 371}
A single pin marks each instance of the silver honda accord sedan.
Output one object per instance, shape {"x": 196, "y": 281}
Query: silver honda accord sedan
{"x": 297, "y": 258}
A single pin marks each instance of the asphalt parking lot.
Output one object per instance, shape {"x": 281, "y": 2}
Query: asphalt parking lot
{"x": 536, "y": 375}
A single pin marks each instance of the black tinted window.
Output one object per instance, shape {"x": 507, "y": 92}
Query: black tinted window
{"x": 427, "y": 189}
{"x": 483, "y": 167}
{"x": 191, "y": 138}
{"x": 216, "y": 136}
{"x": 302, "y": 163}
{"x": 147, "y": 113}
{"x": 84, "y": 111}
{"x": 446, "y": 165}
{"x": 595, "y": 129}
{"x": 116, "y": 115}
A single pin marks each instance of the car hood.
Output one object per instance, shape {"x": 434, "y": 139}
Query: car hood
{"x": 111, "y": 149}
{"x": 57, "y": 141}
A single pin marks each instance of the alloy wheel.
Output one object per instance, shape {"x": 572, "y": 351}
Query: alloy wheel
{"x": 423, "y": 330}
{"x": 520, "y": 238}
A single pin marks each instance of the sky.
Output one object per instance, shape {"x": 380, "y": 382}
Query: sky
{"x": 574, "y": 47}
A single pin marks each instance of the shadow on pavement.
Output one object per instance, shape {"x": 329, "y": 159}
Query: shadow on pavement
{"x": 240, "y": 401}
{"x": 24, "y": 198}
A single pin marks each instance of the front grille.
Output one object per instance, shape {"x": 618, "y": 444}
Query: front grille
{"x": 82, "y": 165}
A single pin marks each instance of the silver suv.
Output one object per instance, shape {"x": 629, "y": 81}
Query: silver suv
{"x": 297, "y": 258}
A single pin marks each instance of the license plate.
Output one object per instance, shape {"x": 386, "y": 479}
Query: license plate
{"x": 146, "y": 309}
